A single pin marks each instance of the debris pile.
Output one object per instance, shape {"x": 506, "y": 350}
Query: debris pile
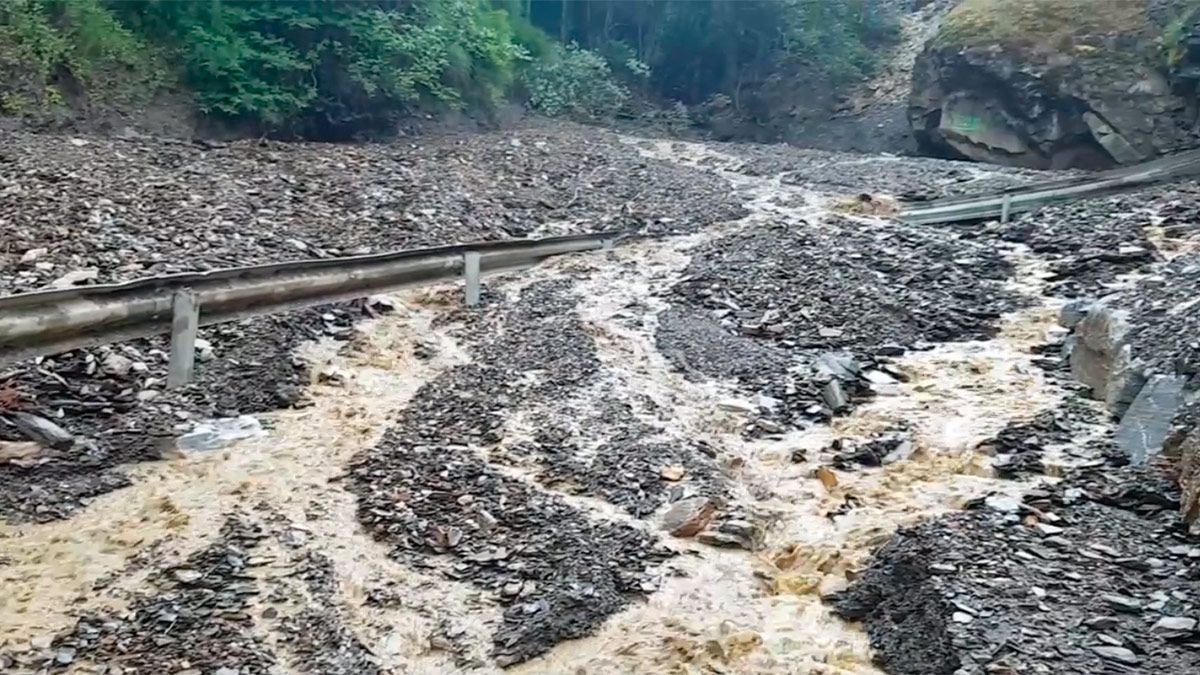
{"x": 1092, "y": 575}
{"x": 198, "y": 619}
{"x": 143, "y": 207}
{"x": 841, "y": 284}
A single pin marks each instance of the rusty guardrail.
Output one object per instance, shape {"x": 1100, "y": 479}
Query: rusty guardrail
{"x": 53, "y": 321}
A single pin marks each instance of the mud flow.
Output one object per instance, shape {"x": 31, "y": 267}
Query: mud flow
{"x": 494, "y": 490}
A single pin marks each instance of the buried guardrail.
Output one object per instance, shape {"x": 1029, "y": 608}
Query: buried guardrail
{"x": 53, "y": 321}
{"x": 1006, "y": 203}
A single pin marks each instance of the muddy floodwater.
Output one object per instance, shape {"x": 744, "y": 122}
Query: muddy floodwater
{"x": 707, "y": 609}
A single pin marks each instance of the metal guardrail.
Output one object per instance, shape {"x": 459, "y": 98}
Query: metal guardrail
{"x": 1020, "y": 199}
{"x": 53, "y": 321}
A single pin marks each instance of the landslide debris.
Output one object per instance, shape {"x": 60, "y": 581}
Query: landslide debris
{"x": 1092, "y": 575}
{"x": 139, "y": 206}
{"x": 434, "y": 491}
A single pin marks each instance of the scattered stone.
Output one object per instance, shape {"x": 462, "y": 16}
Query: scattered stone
{"x": 673, "y": 473}
{"x": 1119, "y": 654}
{"x": 1122, "y": 603}
{"x": 75, "y": 278}
{"x": 1048, "y": 530}
{"x": 827, "y": 477}
{"x": 737, "y": 406}
{"x": 831, "y": 585}
{"x": 32, "y": 255}
{"x": 20, "y": 453}
{"x": 1003, "y": 503}
{"x": 40, "y": 430}
{"x": 687, "y": 517}
{"x": 834, "y": 396}
{"x": 117, "y": 365}
{"x": 1175, "y": 627}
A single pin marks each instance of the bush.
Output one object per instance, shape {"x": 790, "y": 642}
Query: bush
{"x": 331, "y": 67}
{"x": 574, "y": 82}
{"x": 47, "y": 47}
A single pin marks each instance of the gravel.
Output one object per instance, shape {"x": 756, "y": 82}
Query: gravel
{"x": 142, "y": 207}
{"x": 1164, "y": 318}
{"x": 429, "y": 491}
{"x": 139, "y": 207}
{"x": 843, "y": 284}
{"x": 1073, "y": 582}
{"x": 772, "y": 307}
{"x": 197, "y": 617}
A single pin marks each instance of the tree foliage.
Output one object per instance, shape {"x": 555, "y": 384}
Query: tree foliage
{"x": 48, "y": 47}
{"x": 327, "y": 68}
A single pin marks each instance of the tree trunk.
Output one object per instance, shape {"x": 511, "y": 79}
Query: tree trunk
{"x": 608, "y": 22}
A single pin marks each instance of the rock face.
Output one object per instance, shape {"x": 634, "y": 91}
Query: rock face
{"x": 1047, "y": 84}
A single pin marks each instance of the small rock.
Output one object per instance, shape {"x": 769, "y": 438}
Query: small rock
{"x": 21, "y": 453}
{"x": 827, "y": 477}
{"x": 724, "y": 540}
{"x": 1122, "y": 603}
{"x": 834, "y": 395}
{"x": 672, "y": 473}
{"x": 332, "y": 376}
{"x": 31, "y": 256}
{"x": 1003, "y": 503}
{"x": 687, "y": 517}
{"x": 831, "y": 585}
{"x": 890, "y": 349}
{"x": 41, "y": 430}
{"x": 769, "y": 426}
{"x": 204, "y": 350}
{"x": 1048, "y": 530}
{"x": 1101, "y": 622}
{"x": 117, "y": 365}
{"x": 737, "y": 405}
{"x": 64, "y": 656}
{"x": 187, "y": 576}
{"x": 382, "y": 303}
{"x": 1118, "y": 654}
{"x": 961, "y": 617}
{"x": 75, "y": 278}
{"x": 1175, "y": 627}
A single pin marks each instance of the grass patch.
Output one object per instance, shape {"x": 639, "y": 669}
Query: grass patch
{"x": 1050, "y": 23}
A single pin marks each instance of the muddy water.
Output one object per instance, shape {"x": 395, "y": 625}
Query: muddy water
{"x": 717, "y": 610}
{"x": 761, "y": 613}
{"x": 175, "y": 507}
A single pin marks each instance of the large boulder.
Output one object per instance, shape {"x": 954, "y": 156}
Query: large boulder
{"x": 1056, "y": 83}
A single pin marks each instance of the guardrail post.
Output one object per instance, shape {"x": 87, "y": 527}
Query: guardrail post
{"x": 471, "y": 275}
{"x": 1006, "y": 208}
{"x": 185, "y": 320}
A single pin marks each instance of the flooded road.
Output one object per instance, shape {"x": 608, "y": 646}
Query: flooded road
{"x": 715, "y": 610}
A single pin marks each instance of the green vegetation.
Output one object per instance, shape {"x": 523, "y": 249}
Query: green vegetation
{"x": 53, "y": 49}
{"x": 1039, "y": 22}
{"x": 330, "y": 68}
{"x": 1174, "y": 43}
